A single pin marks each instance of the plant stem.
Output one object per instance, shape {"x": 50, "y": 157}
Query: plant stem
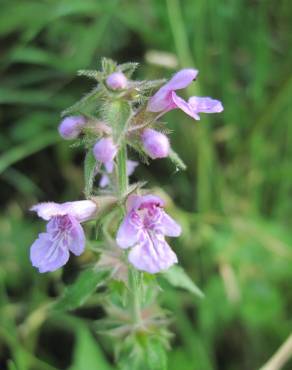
{"x": 133, "y": 278}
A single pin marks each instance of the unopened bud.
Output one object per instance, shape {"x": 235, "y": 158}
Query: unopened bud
{"x": 71, "y": 127}
{"x": 105, "y": 150}
{"x": 156, "y": 144}
{"x": 116, "y": 81}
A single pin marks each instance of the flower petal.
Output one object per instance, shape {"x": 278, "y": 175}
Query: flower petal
{"x": 129, "y": 230}
{"x": 82, "y": 210}
{"x": 104, "y": 181}
{"x": 184, "y": 106}
{"x": 169, "y": 226}
{"x": 145, "y": 201}
{"x": 182, "y": 79}
{"x": 76, "y": 243}
{"x": 205, "y": 104}
{"x": 47, "y": 210}
{"x": 152, "y": 254}
{"x": 162, "y": 100}
{"x": 48, "y": 254}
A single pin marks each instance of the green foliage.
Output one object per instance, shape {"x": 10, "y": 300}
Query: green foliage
{"x": 177, "y": 277}
{"x": 77, "y": 294}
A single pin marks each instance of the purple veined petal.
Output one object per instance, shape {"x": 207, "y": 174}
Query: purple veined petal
{"x": 47, "y": 210}
{"x": 48, "y": 254}
{"x": 205, "y": 104}
{"x": 182, "y": 79}
{"x": 160, "y": 101}
{"x": 104, "y": 181}
{"x": 145, "y": 201}
{"x": 152, "y": 254}
{"x": 82, "y": 210}
{"x": 76, "y": 237}
{"x": 169, "y": 226}
{"x": 129, "y": 231}
{"x": 184, "y": 106}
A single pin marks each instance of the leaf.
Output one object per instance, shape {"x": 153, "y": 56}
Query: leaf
{"x": 77, "y": 293}
{"x": 155, "y": 355}
{"x": 96, "y": 75}
{"x": 89, "y": 172}
{"x": 175, "y": 158}
{"x": 87, "y": 101}
{"x": 87, "y": 353}
{"x": 178, "y": 278}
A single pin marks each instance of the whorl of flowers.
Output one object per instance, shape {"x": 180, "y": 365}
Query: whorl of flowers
{"x": 119, "y": 116}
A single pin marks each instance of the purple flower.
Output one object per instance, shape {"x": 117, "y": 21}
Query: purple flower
{"x": 156, "y": 144}
{"x": 104, "y": 181}
{"x": 63, "y": 233}
{"x": 116, "y": 81}
{"x": 105, "y": 150}
{"x": 166, "y": 99}
{"x": 71, "y": 127}
{"x": 144, "y": 229}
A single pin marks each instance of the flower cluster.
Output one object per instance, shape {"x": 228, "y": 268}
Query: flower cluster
{"x": 146, "y": 224}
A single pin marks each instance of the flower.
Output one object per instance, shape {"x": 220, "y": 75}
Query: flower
{"x": 165, "y": 99}
{"x": 144, "y": 229}
{"x": 104, "y": 181}
{"x": 63, "y": 233}
{"x": 156, "y": 144}
{"x": 105, "y": 150}
{"x": 71, "y": 127}
{"x": 116, "y": 81}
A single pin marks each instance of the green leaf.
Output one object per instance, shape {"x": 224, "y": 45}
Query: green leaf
{"x": 177, "y": 277}
{"x": 175, "y": 158}
{"x": 86, "y": 104}
{"x": 87, "y": 353}
{"x": 117, "y": 114}
{"x": 89, "y": 172}
{"x": 77, "y": 293}
{"x": 155, "y": 355}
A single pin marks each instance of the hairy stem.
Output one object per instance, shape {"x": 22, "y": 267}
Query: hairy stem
{"x": 134, "y": 283}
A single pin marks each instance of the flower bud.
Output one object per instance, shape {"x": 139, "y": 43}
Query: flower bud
{"x": 116, "y": 81}
{"x": 156, "y": 144}
{"x": 105, "y": 150}
{"x": 71, "y": 127}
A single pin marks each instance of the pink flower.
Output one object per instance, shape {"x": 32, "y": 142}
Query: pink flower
{"x": 117, "y": 81}
{"x": 156, "y": 144}
{"x": 144, "y": 229}
{"x": 105, "y": 150}
{"x": 71, "y": 127}
{"x": 166, "y": 99}
{"x": 63, "y": 233}
{"x": 104, "y": 181}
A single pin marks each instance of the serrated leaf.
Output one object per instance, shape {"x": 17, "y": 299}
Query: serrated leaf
{"x": 177, "y": 277}
{"x": 175, "y": 158}
{"x": 77, "y": 293}
{"x": 89, "y": 172}
{"x": 108, "y": 65}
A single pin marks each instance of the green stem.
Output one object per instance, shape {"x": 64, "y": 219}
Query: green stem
{"x": 134, "y": 283}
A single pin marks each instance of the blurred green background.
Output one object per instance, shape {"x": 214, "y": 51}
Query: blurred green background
{"x": 233, "y": 201}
